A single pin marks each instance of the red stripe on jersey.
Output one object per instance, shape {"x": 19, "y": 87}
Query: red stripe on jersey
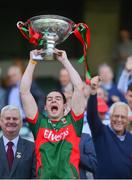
{"x": 39, "y": 141}
{"x": 76, "y": 117}
{"x": 34, "y": 120}
{"x": 75, "y": 153}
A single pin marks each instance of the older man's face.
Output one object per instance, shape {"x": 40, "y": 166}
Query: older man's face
{"x": 119, "y": 119}
{"x": 10, "y": 123}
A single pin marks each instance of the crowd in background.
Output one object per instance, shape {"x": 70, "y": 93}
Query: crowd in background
{"x": 115, "y": 86}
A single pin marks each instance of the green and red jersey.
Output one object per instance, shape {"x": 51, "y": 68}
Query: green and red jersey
{"x": 57, "y": 146}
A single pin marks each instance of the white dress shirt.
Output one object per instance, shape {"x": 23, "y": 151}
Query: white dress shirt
{"x": 15, "y": 141}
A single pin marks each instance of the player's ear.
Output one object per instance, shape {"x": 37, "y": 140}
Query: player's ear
{"x": 65, "y": 105}
{"x": 45, "y": 108}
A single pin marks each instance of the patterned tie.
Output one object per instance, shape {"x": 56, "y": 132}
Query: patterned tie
{"x": 10, "y": 154}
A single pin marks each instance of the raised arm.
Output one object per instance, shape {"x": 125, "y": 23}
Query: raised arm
{"x": 78, "y": 100}
{"x": 28, "y": 101}
{"x": 94, "y": 121}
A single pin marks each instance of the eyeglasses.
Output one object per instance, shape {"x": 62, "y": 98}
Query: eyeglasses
{"x": 119, "y": 116}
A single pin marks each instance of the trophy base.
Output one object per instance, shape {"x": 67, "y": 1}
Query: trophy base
{"x": 48, "y": 55}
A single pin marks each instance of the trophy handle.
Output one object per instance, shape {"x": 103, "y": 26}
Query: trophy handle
{"x": 73, "y": 28}
{"x": 23, "y": 27}
{"x": 20, "y": 24}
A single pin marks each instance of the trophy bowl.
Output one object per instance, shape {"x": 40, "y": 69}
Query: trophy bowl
{"x": 53, "y": 30}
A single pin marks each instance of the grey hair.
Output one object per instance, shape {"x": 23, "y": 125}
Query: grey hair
{"x": 104, "y": 65}
{"x": 120, "y": 104}
{"x": 10, "y": 107}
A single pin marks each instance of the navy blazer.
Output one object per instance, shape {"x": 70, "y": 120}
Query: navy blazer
{"x": 24, "y": 161}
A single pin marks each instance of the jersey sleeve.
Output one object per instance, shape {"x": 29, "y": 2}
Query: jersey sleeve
{"x": 34, "y": 124}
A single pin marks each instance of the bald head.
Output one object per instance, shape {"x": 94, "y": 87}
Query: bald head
{"x": 64, "y": 77}
{"x": 106, "y": 73}
{"x": 14, "y": 74}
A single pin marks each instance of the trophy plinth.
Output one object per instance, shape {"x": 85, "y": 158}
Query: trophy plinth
{"x": 53, "y": 30}
{"x": 48, "y": 50}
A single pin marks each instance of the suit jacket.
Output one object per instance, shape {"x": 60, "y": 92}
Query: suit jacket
{"x": 24, "y": 161}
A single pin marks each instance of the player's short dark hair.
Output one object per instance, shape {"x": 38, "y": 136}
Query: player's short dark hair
{"x": 63, "y": 96}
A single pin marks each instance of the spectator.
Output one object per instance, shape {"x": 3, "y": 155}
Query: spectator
{"x": 19, "y": 63}
{"x": 2, "y": 93}
{"x": 2, "y": 97}
{"x": 88, "y": 161}
{"x": 86, "y": 91}
{"x": 129, "y": 101}
{"x": 114, "y": 95}
{"x": 129, "y": 96}
{"x": 86, "y": 129}
{"x": 57, "y": 135}
{"x": 17, "y": 160}
{"x": 12, "y": 97}
{"x": 65, "y": 81}
{"x": 14, "y": 76}
{"x": 126, "y": 76}
{"x": 112, "y": 143}
{"x": 101, "y": 93}
{"x": 102, "y": 108}
{"x": 125, "y": 86}
{"x": 122, "y": 51}
{"x": 66, "y": 86}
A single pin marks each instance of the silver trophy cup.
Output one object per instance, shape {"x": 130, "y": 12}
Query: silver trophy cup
{"x": 53, "y": 29}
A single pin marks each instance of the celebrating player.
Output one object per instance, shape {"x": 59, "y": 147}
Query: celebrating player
{"x": 56, "y": 134}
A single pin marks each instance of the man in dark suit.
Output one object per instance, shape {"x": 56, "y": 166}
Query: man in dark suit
{"x": 17, "y": 155}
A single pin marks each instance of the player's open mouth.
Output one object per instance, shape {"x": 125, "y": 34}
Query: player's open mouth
{"x": 54, "y": 109}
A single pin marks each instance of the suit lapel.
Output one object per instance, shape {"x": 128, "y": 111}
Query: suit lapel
{"x": 18, "y": 155}
{"x": 3, "y": 157}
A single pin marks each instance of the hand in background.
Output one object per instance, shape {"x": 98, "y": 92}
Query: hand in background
{"x": 95, "y": 83}
{"x": 115, "y": 98}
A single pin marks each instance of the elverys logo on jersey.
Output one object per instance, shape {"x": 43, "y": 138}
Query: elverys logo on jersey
{"x": 55, "y": 136}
